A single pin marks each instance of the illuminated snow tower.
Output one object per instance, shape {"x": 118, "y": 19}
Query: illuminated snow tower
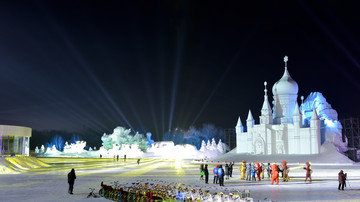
{"x": 285, "y": 93}
{"x": 281, "y": 129}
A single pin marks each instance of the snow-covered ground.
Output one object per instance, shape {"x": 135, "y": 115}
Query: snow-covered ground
{"x": 50, "y": 183}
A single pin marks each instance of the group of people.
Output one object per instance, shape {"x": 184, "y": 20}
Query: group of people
{"x": 251, "y": 171}
{"x": 219, "y": 173}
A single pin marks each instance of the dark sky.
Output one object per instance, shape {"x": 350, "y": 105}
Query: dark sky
{"x": 155, "y": 65}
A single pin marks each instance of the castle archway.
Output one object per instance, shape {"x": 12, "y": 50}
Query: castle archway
{"x": 259, "y": 146}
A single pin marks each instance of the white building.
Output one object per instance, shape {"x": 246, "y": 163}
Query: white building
{"x": 281, "y": 129}
{"x": 14, "y": 140}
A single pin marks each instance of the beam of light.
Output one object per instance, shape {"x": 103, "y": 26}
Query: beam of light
{"x": 177, "y": 67}
{"x": 152, "y": 108}
{"x": 311, "y": 40}
{"x": 85, "y": 66}
{"x": 332, "y": 37}
{"x": 234, "y": 59}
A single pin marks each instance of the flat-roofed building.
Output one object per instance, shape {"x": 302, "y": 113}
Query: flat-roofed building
{"x": 14, "y": 140}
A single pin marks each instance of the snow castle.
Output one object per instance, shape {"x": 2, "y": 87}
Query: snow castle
{"x": 281, "y": 129}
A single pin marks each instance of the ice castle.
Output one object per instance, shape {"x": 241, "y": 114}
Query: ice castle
{"x": 282, "y": 129}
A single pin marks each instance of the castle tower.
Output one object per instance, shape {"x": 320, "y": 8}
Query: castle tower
{"x": 297, "y": 117}
{"x": 285, "y": 95}
{"x": 266, "y": 112}
{"x": 250, "y": 122}
{"x": 239, "y": 127}
{"x": 315, "y": 133}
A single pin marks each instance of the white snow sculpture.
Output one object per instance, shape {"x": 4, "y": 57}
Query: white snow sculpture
{"x": 213, "y": 144}
{"x": 333, "y": 128}
{"x": 220, "y": 147}
{"x": 37, "y": 150}
{"x": 42, "y": 149}
{"x": 122, "y": 136}
{"x": 203, "y": 146}
{"x": 208, "y": 145}
{"x": 77, "y": 147}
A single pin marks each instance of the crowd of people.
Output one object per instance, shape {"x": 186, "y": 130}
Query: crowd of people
{"x": 252, "y": 172}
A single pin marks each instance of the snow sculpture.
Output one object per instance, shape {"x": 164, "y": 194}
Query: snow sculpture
{"x": 332, "y": 129}
{"x": 148, "y": 138}
{"x": 280, "y": 130}
{"x": 42, "y": 149}
{"x": 212, "y": 150}
{"x": 37, "y": 150}
{"x": 122, "y": 136}
{"x": 213, "y": 144}
{"x": 203, "y": 146}
{"x": 51, "y": 151}
{"x": 77, "y": 147}
{"x": 220, "y": 147}
{"x": 208, "y": 145}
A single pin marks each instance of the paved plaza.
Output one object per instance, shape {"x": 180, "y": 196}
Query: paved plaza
{"x": 50, "y": 184}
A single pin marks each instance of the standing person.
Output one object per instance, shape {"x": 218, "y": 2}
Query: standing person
{"x": 248, "y": 172}
{"x": 221, "y": 175}
{"x": 231, "y": 168}
{"x": 268, "y": 169}
{"x": 202, "y": 172}
{"x": 117, "y": 157}
{"x": 206, "y": 173}
{"x": 253, "y": 172}
{"x": 308, "y": 171}
{"x": 124, "y": 157}
{"x": 274, "y": 173}
{"x": 242, "y": 170}
{"x": 263, "y": 170}
{"x": 280, "y": 171}
{"x": 227, "y": 172}
{"x": 285, "y": 170}
{"x": 71, "y": 180}
{"x": 342, "y": 179}
{"x": 258, "y": 170}
{"x": 215, "y": 171}
{"x": 138, "y": 161}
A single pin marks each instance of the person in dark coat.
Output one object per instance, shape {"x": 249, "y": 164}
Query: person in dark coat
{"x": 202, "y": 172}
{"x": 206, "y": 173}
{"x": 221, "y": 175}
{"x": 231, "y": 166}
{"x": 71, "y": 180}
{"x": 342, "y": 179}
{"x": 227, "y": 171}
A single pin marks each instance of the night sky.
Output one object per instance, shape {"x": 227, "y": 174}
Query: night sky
{"x": 160, "y": 65}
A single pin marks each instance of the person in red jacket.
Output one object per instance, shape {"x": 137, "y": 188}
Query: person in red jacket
{"x": 259, "y": 170}
{"x": 342, "y": 179}
{"x": 308, "y": 171}
{"x": 275, "y": 174}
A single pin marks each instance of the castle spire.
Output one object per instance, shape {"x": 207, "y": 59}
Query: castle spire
{"x": 239, "y": 127}
{"x": 239, "y": 124}
{"x": 266, "y": 112}
{"x": 286, "y": 58}
{"x": 297, "y": 110}
{"x": 314, "y": 115}
{"x": 250, "y": 116}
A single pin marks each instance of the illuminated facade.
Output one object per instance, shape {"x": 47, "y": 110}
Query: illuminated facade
{"x": 14, "y": 140}
{"x": 281, "y": 129}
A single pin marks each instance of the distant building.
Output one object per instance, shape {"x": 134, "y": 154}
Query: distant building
{"x": 14, "y": 140}
{"x": 281, "y": 129}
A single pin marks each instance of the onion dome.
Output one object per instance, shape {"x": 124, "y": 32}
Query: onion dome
{"x": 286, "y": 85}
